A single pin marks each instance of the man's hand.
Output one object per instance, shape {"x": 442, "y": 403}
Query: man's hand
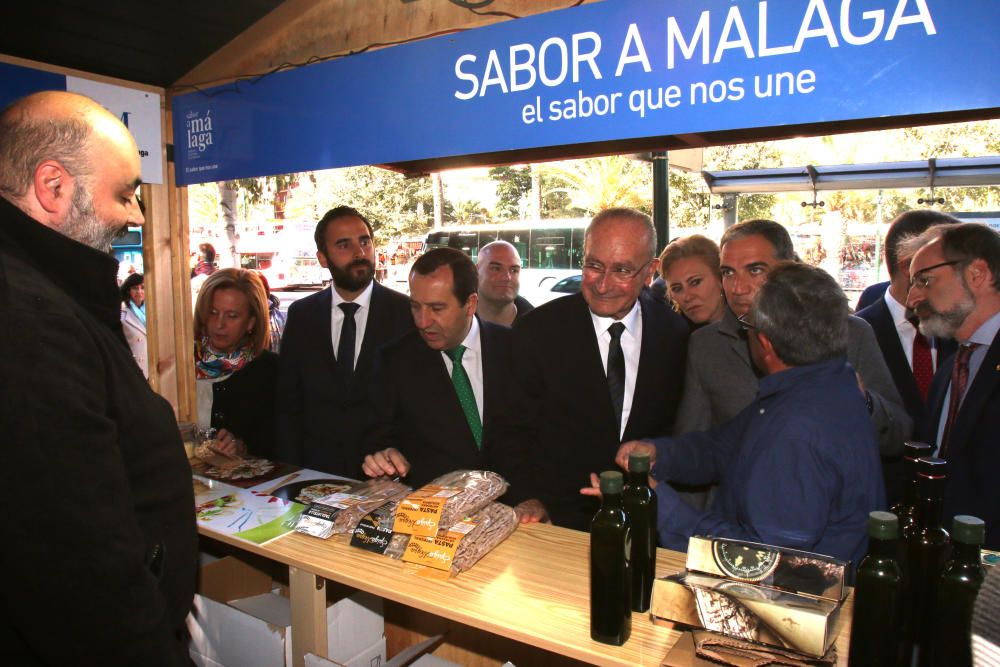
{"x": 227, "y": 444}
{"x": 638, "y": 447}
{"x": 389, "y": 462}
{"x": 595, "y": 486}
{"x": 532, "y": 511}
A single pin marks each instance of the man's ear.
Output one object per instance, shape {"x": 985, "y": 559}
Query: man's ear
{"x": 978, "y": 274}
{"x": 322, "y": 259}
{"x": 52, "y": 190}
{"x": 766, "y": 346}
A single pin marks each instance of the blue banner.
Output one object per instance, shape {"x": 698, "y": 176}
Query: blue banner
{"x": 618, "y": 69}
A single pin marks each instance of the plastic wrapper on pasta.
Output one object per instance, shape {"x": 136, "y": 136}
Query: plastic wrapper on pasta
{"x": 371, "y": 495}
{"x": 477, "y": 489}
{"x": 494, "y": 524}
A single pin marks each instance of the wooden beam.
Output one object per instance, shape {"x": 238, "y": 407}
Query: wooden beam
{"x": 298, "y": 30}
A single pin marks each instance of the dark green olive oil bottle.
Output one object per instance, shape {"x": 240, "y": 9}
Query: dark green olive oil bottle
{"x": 610, "y": 571}
{"x": 640, "y": 505}
{"x": 876, "y": 629}
{"x": 957, "y": 587}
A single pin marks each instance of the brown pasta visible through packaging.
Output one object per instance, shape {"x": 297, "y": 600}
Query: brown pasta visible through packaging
{"x": 494, "y": 524}
{"x": 374, "y": 494}
{"x": 477, "y": 489}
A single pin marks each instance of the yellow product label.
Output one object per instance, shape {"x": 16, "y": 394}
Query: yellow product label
{"x": 420, "y": 512}
{"x": 438, "y": 551}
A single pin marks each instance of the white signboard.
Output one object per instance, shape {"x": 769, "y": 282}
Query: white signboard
{"x": 139, "y": 110}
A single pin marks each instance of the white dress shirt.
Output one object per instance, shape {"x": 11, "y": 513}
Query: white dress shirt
{"x": 631, "y": 346}
{"x": 984, "y": 336}
{"x": 364, "y": 302}
{"x": 906, "y": 331}
{"x": 472, "y": 362}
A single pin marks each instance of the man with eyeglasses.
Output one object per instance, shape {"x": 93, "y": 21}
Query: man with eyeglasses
{"x": 720, "y": 380}
{"x": 955, "y": 291}
{"x": 595, "y": 368}
{"x": 798, "y": 466}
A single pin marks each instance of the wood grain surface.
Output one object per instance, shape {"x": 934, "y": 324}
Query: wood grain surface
{"x": 533, "y": 588}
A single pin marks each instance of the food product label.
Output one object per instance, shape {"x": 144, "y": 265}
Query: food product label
{"x": 420, "y": 512}
{"x": 318, "y": 518}
{"x": 374, "y": 530}
{"x": 438, "y": 551}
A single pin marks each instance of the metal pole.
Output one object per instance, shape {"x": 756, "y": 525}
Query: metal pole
{"x": 661, "y": 199}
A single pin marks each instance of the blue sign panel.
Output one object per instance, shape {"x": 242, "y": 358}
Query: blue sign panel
{"x": 618, "y": 69}
{"x": 20, "y": 81}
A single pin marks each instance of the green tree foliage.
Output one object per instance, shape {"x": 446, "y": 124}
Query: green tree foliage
{"x": 762, "y": 155}
{"x": 598, "y": 183}
{"x": 513, "y": 184}
{"x": 397, "y": 206}
{"x": 469, "y": 212}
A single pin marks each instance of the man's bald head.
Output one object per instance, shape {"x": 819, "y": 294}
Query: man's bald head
{"x": 70, "y": 164}
{"x": 52, "y": 125}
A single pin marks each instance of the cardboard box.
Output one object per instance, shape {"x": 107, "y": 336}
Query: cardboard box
{"x": 241, "y": 618}
{"x": 775, "y": 567}
{"x": 373, "y": 656}
{"x": 748, "y": 611}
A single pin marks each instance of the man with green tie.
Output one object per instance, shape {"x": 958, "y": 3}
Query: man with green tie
{"x": 441, "y": 390}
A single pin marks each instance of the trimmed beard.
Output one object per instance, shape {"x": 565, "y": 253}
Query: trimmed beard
{"x": 83, "y": 225}
{"x": 345, "y": 279}
{"x": 945, "y": 323}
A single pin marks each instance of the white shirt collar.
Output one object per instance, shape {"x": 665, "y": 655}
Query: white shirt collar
{"x": 364, "y": 299}
{"x": 630, "y": 320}
{"x": 896, "y": 309}
{"x": 471, "y": 341}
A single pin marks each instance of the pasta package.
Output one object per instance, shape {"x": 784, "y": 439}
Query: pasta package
{"x": 341, "y": 512}
{"x": 446, "y": 501}
{"x": 462, "y": 545}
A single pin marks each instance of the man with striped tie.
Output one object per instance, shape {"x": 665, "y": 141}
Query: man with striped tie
{"x": 955, "y": 291}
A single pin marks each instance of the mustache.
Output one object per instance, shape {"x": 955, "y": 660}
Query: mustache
{"x": 361, "y": 262}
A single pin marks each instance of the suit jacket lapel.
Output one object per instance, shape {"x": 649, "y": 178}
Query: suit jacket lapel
{"x": 646, "y": 377}
{"x": 583, "y": 346}
{"x": 983, "y": 386}
{"x": 894, "y": 354}
{"x": 374, "y": 326}
{"x": 323, "y": 319}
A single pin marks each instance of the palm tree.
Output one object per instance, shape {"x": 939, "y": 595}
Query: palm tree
{"x": 595, "y": 184}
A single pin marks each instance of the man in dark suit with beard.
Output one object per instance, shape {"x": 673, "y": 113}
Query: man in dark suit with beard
{"x": 955, "y": 290}
{"x": 443, "y": 388}
{"x": 910, "y": 356}
{"x": 328, "y": 349}
{"x": 595, "y": 369}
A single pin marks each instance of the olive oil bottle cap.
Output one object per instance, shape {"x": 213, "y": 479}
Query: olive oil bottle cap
{"x": 883, "y": 526}
{"x": 611, "y": 481}
{"x": 968, "y": 529}
{"x": 638, "y": 462}
{"x": 932, "y": 466}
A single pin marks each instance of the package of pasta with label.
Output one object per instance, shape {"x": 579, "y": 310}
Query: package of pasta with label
{"x": 459, "y": 547}
{"x": 446, "y": 501}
{"x": 341, "y": 512}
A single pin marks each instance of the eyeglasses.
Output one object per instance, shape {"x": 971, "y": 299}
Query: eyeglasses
{"x": 922, "y": 280}
{"x": 620, "y": 274}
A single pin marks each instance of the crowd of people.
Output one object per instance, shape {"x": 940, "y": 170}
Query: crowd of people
{"x": 769, "y": 412}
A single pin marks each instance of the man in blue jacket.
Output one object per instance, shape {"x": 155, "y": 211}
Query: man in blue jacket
{"x": 799, "y": 466}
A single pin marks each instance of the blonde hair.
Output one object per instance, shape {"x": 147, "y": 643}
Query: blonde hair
{"x": 250, "y": 284}
{"x": 687, "y": 247}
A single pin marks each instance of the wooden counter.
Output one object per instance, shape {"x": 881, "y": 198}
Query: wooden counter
{"x": 533, "y": 588}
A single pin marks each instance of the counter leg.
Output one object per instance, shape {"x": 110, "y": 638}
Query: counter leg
{"x": 308, "y": 595}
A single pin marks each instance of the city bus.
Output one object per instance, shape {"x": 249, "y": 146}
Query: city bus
{"x": 550, "y": 250}
{"x": 283, "y": 251}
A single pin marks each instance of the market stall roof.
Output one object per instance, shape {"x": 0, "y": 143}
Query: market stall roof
{"x": 913, "y": 174}
{"x": 147, "y": 42}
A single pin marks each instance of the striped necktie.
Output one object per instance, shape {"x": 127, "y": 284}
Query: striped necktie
{"x": 466, "y": 397}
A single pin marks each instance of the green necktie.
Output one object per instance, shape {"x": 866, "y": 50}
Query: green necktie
{"x": 466, "y": 397}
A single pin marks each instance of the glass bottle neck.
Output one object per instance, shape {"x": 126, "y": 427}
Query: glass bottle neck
{"x": 637, "y": 478}
{"x": 928, "y": 511}
{"x": 611, "y": 501}
{"x": 968, "y": 554}
{"x": 880, "y": 548}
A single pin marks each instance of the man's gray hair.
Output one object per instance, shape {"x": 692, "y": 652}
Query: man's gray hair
{"x": 620, "y": 212}
{"x": 803, "y": 312}
{"x": 962, "y": 242}
{"x": 26, "y": 142}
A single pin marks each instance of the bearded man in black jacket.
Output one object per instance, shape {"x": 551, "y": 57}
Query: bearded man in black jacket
{"x": 106, "y": 555}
